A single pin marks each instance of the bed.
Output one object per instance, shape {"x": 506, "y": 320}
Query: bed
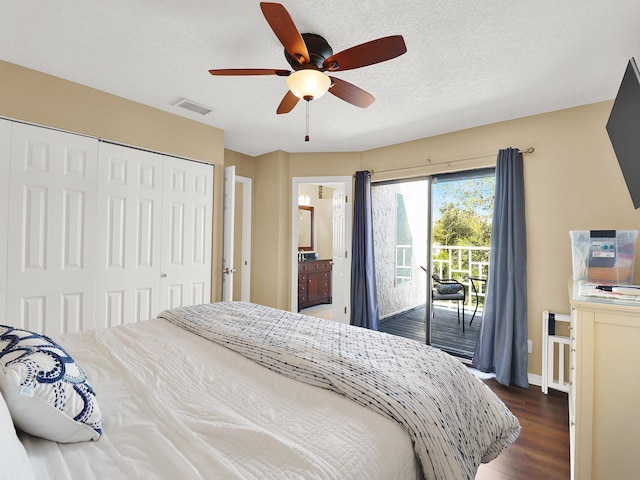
{"x": 234, "y": 390}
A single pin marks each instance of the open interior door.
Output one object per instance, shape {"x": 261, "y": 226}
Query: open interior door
{"x": 341, "y": 257}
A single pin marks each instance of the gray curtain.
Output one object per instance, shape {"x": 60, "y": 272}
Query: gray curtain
{"x": 502, "y": 344}
{"x": 364, "y": 303}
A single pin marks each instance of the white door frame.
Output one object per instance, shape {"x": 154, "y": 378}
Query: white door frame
{"x": 228, "y": 209}
{"x": 295, "y": 182}
{"x": 247, "y": 186}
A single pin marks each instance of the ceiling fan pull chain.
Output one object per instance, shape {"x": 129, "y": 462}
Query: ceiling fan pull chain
{"x": 306, "y": 137}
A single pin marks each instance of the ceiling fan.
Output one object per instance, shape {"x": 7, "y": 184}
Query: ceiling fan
{"x": 310, "y": 56}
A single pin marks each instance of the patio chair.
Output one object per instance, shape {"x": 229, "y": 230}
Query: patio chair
{"x": 476, "y": 293}
{"x": 449, "y": 289}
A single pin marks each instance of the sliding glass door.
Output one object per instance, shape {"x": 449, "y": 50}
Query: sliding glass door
{"x": 401, "y": 223}
{"x": 438, "y": 226}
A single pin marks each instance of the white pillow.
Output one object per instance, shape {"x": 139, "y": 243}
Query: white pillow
{"x": 13, "y": 457}
{"x": 45, "y": 389}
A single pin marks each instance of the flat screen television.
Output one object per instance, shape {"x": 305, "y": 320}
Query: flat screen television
{"x": 623, "y": 128}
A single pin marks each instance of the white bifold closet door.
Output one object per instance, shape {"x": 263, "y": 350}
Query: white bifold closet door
{"x": 186, "y": 233}
{"x": 154, "y": 234}
{"x": 129, "y": 235}
{"x": 100, "y": 234}
{"x": 51, "y": 232}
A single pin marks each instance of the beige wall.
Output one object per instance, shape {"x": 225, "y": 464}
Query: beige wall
{"x": 572, "y": 182}
{"x": 38, "y": 98}
{"x": 245, "y": 165}
{"x": 271, "y": 253}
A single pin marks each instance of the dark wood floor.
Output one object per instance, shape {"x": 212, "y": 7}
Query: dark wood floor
{"x": 446, "y": 333}
{"x": 542, "y": 449}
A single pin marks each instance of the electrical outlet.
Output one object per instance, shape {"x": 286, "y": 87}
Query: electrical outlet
{"x": 529, "y": 345}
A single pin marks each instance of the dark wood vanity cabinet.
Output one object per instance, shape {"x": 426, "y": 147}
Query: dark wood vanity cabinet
{"x": 314, "y": 283}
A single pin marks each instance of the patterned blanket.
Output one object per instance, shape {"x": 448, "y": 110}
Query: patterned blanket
{"x": 454, "y": 420}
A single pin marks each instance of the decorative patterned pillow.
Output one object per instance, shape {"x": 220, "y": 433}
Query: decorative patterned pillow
{"x": 448, "y": 288}
{"x": 45, "y": 389}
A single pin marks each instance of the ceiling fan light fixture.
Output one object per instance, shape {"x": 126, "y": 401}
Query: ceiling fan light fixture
{"x": 308, "y": 84}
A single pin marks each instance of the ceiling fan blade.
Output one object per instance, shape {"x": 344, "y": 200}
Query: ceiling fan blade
{"x": 350, "y": 93}
{"x": 368, "y": 53}
{"x": 288, "y": 102}
{"x": 249, "y": 71}
{"x": 282, "y": 25}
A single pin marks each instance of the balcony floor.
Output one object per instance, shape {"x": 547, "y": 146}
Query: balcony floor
{"x": 446, "y": 333}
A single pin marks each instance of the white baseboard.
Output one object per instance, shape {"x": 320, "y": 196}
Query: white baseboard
{"x": 535, "y": 379}
{"x": 531, "y": 377}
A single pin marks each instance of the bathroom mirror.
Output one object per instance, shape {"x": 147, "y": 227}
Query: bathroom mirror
{"x": 305, "y": 228}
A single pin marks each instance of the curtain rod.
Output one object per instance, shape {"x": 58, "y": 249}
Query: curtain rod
{"x": 523, "y": 151}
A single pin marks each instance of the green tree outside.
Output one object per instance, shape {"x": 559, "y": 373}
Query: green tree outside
{"x": 465, "y": 215}
{"x": 465, "y": 218}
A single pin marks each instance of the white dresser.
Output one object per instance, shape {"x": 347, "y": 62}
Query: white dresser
{"x": 604, "y": 397}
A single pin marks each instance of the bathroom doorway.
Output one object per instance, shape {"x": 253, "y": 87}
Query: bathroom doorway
{"x": 330, "y": 199}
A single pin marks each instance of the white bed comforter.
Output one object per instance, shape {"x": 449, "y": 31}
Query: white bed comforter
{"x": 454, "y": 420}
{"x": 177, "y": 406}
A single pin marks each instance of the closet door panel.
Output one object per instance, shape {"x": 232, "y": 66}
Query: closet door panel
{"x": 128, "y": 235}
{"x": 52, "y": 218}
{"x": 95, "y": 234}
{"x": 5, "y": 155}
{"x": 187, "y": 230}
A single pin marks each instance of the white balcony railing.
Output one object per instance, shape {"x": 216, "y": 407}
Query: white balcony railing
{"x": 462, "y": 262}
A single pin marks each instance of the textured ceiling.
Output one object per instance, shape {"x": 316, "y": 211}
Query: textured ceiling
{"x": 468, "y": 62}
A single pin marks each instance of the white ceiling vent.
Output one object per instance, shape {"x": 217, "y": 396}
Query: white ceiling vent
{"x": 193, "y": 106}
